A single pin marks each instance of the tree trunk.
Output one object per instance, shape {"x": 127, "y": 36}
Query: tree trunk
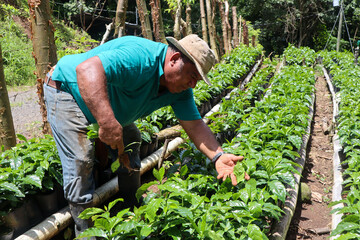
{"x": 228, "y": 26}
{"x": 7, "y": 131}
{"x": 42, "y": 34}
{"x": 158, "y": 26}
{"x": 120, "y": 18}
{"x": 80, "y": 4}
{"x": 188, "y": 19}
{"x": 144, "y": 18}
{"x": 177, "y": 34}
{"x": 109, "y": 27}
{"x": 224, "y": 28}
{"x": 240, "y": 29}
{"x": 161, "y": 23}
{"x": 155, "y": 20}
{"x": 211, "y": 27}
{"x": 235, "y": 27}
{"x": 203, "y": 21}
{"x": 245, "y": 33}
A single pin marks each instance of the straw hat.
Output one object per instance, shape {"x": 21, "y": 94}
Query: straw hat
{"x": 198, "y": 51}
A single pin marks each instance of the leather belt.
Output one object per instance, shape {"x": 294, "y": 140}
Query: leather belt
{"x": 50, "y": 82}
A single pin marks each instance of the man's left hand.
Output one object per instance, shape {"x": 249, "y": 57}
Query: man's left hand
{"x": 225, "y": 167}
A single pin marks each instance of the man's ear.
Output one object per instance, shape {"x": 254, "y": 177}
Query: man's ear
{"x": 175, "y": 56}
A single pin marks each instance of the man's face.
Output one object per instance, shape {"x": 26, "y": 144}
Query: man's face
{"x": 180, "y": 76}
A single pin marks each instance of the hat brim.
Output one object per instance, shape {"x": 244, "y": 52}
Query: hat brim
{"x": 175, "y": 42}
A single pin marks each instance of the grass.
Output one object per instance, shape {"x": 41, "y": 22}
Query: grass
{"x": 19, "y": 64}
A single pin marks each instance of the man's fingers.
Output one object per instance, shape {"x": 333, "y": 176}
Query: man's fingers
{"x": 233, "y": 179}
{"x": 238, "y": 158}
{"x": 247, "y": 177}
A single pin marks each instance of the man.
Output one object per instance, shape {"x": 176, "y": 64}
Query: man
{"x": 114, "y": 84}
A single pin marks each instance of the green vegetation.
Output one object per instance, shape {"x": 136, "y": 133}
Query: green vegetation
{"x": 345, "y": 77}
{"x": 30, "y": 167}
{"x": 19, "y": 64}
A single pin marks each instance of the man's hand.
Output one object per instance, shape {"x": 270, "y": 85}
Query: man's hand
{"x": 111, "y": 133}
{"x": 225, "y": 167}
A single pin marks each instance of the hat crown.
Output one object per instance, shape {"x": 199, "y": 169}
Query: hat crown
{"x": 199, "y": 50}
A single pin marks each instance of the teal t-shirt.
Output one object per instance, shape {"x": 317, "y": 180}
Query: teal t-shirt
{"x": 133, "y": 68}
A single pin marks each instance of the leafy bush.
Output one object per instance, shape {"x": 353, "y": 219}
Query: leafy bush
{"x": 29, "y": 167}
{"x": 19, "y": 66}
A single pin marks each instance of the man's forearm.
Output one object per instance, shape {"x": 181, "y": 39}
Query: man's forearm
{"x": 202, "y": 137}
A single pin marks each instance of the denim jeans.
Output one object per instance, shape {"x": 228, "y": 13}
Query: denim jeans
{"x": 76, "y": 151}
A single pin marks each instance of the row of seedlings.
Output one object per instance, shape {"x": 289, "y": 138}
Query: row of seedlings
{"x": 345, "y": 77}
{"x": 270, "y": 139}
{"x": 30, "y": 185}
{"x": 189, "y": 203}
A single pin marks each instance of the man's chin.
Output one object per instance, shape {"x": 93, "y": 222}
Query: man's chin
{"x": 176, "y": 90}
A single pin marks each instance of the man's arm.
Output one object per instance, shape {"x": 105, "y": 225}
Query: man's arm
{"x": 206, "y": 142}
{"x": 92, "y": 83}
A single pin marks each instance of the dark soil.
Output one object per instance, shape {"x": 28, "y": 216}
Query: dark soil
{"x": 311, "y": 218}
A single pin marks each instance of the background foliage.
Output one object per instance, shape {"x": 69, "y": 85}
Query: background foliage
{"x": 276, "y": 23}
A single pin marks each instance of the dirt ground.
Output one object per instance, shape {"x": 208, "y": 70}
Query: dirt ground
{"x": 310, "y": 219}
{"x": 25, "y": 111}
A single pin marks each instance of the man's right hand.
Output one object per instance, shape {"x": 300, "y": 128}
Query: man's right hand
{"x": 111, "y": 133}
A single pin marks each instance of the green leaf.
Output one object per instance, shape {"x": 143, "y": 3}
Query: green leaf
{"x": 183, "y": 171}
{"x": 89, "y": 212}
{"x": 239, "y": 172}
{"x": 213, "y": 235}
{"x": 152, "y": 208}
{"x": 12, "y": 188}
{"x": 112, "y": 204}
{"x": 185, "y": 212}
{"x": 115, "y": 165}
{"x": 255, "y": 209}
{"x": 21, "y": 137}
{"x": 277, "y": 188}
{"x": 145, "y": 230}
{"x": 93, "y": 232}
{"x": 254, "y": 232}
{"x": 344, "y": 227}
{"x": 93, "y": 131}
{"x": 296, "y": 141}
{"x": 159, "y": 175}
{"x": 348, "y": 236}
{"x": 143, "y": 188}
{"x": 32, "y": 180}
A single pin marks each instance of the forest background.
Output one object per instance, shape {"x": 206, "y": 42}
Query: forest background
{"x": 81, "y": 24}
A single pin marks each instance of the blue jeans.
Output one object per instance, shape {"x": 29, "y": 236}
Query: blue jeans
{"x": 76, "y": 151}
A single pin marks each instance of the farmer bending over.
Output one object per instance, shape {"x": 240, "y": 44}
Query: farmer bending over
{"x": 113, "y": 85}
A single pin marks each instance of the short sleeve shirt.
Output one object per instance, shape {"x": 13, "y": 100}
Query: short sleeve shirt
{"x": 133, "y": 67}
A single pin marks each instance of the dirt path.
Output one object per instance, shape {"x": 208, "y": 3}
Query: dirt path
{"x": 25, "y": 111}
{"x": 315, "y": 215}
